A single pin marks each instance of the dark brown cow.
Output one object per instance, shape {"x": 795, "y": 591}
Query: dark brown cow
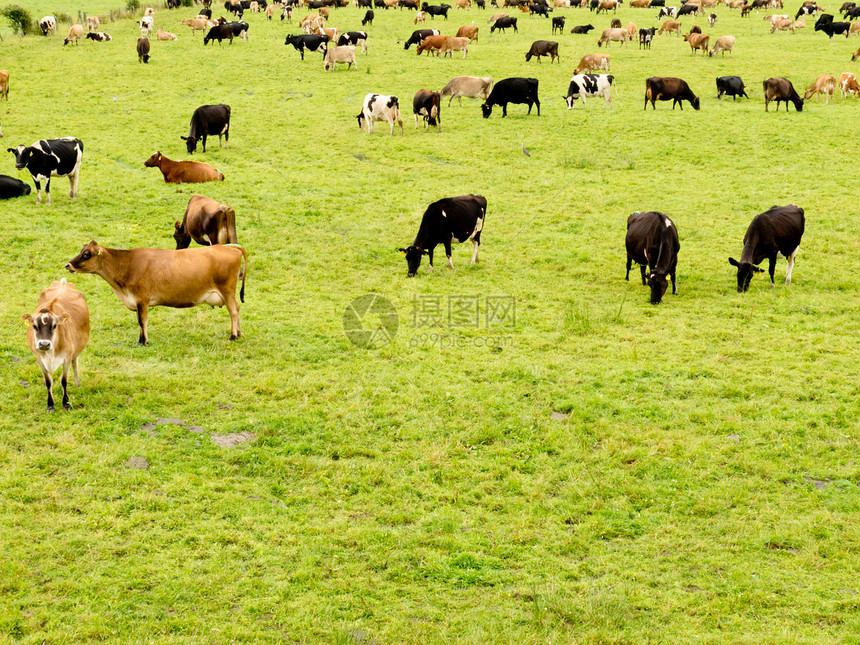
{"x": 780, "y": 89}
{"x": 183, "y": 172}
{"x": 144, "y": 278}
{"x": 57, "y": 333}
{"x": 669, "y": 88}
{"x": 207, "y": 222}
{"x": 428, "y": 105}
{"x": 652, "y": 241}
{"x": 544, "y": 48}
{"x": 143, "y": 50}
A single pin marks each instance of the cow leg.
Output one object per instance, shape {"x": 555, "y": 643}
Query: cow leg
{"x": 233, "y": 309}
{"x": 73, "y": 185}
{"x": 64, "y": 381}
{"x": 75, "y": 368}
{"x": 672, "y": 274}
{"x": 49, "y": 385}
{"x": 771, "y": 261}
{"x": 475, "y": 245}
{"x": 642, "y": 271}
{"x": 790, "y": 265}
{"x": 204, "y": 142}
{"x": 48, "y": 191}
{"x": 38, "y": 191}
{"x": 143, "y": 321}
{"x": 416, "y": 120}
{"x": 448, "y": 254}
{"x": 430, "y": 259}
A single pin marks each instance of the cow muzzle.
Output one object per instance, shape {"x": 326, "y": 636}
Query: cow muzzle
{"x": 44, "y": 345}
{"x": 70, "y": 268}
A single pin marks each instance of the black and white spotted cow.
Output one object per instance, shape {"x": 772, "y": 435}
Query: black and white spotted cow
{"x": 355, "y": 38}
{"x": 49, "y": 157}
{"x": 99, "y": 36}
{"x": 379, "y": 107}
{"x": 590, "y": 85}
{"x": 48, "y": 25}
{"x": 453, "y": 218}
{"x": 12, "y": 187}
{"x": 310, "y": 42}
{"x": 419, "y": 35}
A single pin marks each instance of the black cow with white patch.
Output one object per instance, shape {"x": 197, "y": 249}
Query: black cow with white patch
{"x": 310, "y": 42}
{"x": 433, "y": 11}
{"x": 419, "y": 35}
{"x": 777, "y": 231}
{"x": 208, "y": 120}
{"x": 49, "y": 157}
{"x": 646, "y": 35}
{"x": 558, "y": 24}
{"x": 730, "y": 86}
{"x": 12, "y": 187}
{"x": 512, "y": 90}
{"x": 652, "y": 241}
{"x": 539, "y": 10}
{"x": 453, "y": 218}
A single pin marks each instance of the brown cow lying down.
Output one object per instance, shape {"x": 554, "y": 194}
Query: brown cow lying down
{"x": 183, "y": 172}
{"x": 144, "y": 278}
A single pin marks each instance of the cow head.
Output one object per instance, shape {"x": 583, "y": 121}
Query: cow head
{"x": 695, "y": 102}
{"x": 89, "y": 260}
{"x": 360, "y": 117}
{"x": 190, "y": 144}
{"x": 154, "y": 160}
{"x": 658, "y": 284}
{"x": 487, "y": 109}
{"x": 413, "y": 258}
{"x": 183, "y": 239}
{"x": 44, "y": 327}
{"x": 22, "y": 154}
{"x": 745, "y": 273}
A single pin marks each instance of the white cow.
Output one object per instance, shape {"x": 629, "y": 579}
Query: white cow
{"x": 582, "y": 85}
{"x": 146, "y": 25}
{"x": 379, "y": 107}
{"x": 48, "y": 25}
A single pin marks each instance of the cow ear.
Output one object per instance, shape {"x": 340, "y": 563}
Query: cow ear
{"x": 27, "y": 318}
{"x": 425, "y": 252}
{"x": 178, "y": 225}
{"x": 403, "y": 251}
{"x": 733, "y": 262}
{"x": 63, "y": 320}
{"x": 10, "y": 149}
{"x": 184, "y": 138}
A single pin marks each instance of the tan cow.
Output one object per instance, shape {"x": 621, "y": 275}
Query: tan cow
{"x": 855, "y": 55}
{"x": 669, "y": 26}
{"x": 591, "y": 62}
{"x": 854, "y": 28}
{"x": 783, "y": 24}
{"x": 464, "y": 4}
{"x": 200, "y": 23}
{"x": 323, "y": 11}
{"x": 799, "y": 24}
{"x": 421, "y": 16}
{"x": 76, "y": 32}
{"x": 566, "y": 3}
{"x": 431, "y": 44}
{"x": 183, "y": 172}
{"x": 496, "y": 16}
{"x": 4, "y": 84}
{"x": 144, "y": 278}
{"x": 607, "y": 5}
{"x": 311, "y": 23}
{"x": 475, "y": 87}
{"x": 848, "y": 82}
{"x": 207, "y": 222}
{"x": 454, "y": 45}
{"x": 824, "y": 84}
{"x": 698, "y": 41}
{"x": 57, "y": 333}
{"x": 164, "y": 35}
{"x": 468, "y": 31}
{"x": 340, "y": 54}
{"x": 724, "y": 44}
{"x": 631, "y": 30}
{"x": 93, "y": 23}
{"x": 736, "y": 4}
{"x": 640, "y": 4}
{"x": 613, "y": 34}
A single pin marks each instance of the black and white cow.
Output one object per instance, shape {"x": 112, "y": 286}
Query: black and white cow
{"x": 99, "y": 36}
{"x": 12, "y": 187}
{"x": 777, "y": 231}
{"x": 310, "y": 42}
{"x": 240, "y": 29}
{"x": 428, "y": 105}
{"x": 646, "y": 35}
{"x": 419, "y": 35}
{"x": 208, "y": 120}
{"x": 355, "y": 38}
{"x": 512, "y": 90}
{"x": 433, "y": 11}
{"x": 49, "y": 157}
{"x": 380, "y": 107}
{"x": 652, "y": 241}
{"x": 730, "y": 86}
{"x": 48, "y": 25}
{"x": 453, "y": 218}
{"x": 590, "y": 85}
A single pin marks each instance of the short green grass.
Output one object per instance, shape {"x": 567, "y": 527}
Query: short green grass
{"x": 600, "y": 471}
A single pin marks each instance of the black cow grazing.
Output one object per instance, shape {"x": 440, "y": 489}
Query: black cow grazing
{"x": 208, "y": 120}
{"x": 593, "y": 5}
{"x": 12, "y": 187}
{"x": 669, "y": 88}
{"x": 685, "y": 9}
{"x": 310, "y": 42}
{"x": 512, "y": 90}
{"x": 419, "y": 35}
{"x": 777, "y": 231}
{"x": 368, "y": 18}
{"x": 46, "y": 158}
{"x": 834, "y": 28}
{"x": 481, "y": 4}
{"x": 143, "y": 50}
{"x": 582, "y": 29}
{"x": 853, "y": 13}
{"x": 503, "y": 23}
{"x": 730, "y": 86}
{"x": 428, "y": 105}
{"x": 240, "y": 29}
{"x": 780, "y": 89}
{"x": 540, "y": 10}
{"x": 646, "y": 35}
{"x": 220, "y": 32}
{"x": 453, "y": 218}
{"x": 544, "y": 48}
{"x": 433, "y": 11}
{"x": 657, "y": 3}
{"x": 652, "y": 240}
{"x": 558, "y": 24}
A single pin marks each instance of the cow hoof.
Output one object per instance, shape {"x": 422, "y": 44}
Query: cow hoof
{"x": 232, "y": 337}
{"x": 67, "y": 407}
{"x": 140, "y": 343}
{"x": 51, "y": 408}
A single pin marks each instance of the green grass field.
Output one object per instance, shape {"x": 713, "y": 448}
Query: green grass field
{"x": 582, "y": 468}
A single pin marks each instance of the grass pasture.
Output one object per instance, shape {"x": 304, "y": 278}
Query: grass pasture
{"x": 586, "y": 468}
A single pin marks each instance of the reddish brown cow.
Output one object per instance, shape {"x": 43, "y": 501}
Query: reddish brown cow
{"x": 144, "y": 278}
{"x": 57, "y": 333}
{"x": 183, "y": 172}
{"x": 432, "y": 43}
{"x": 207, "y": 222}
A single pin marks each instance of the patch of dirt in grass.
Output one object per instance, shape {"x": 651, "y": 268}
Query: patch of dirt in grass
{"x": 555, "y": 415}
{"x": 137, "y": 463}
{"x": 232, "y": 440}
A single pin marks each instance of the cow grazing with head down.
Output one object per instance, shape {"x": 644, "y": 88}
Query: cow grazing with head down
{"x": 207, "y": 222}
{"x": 183, "y": 172}
{"x": 368, "y": 18}
{"x": 468, "y": 31}
{"x": 48, "y": 25}
{"x": 76, "y": 32}
{"x": 777, "y": 231}
{"x": 49, "y": 157}
{"x": 57, "y": 333}
{"x": 504, "y": 23}
{"x": 589, "y": 85}
{"x": 848, "y": 84}
{"x": 652, "y": 242}
{"x": 379, "y": 107}
{"x": 428, "y": 105}
{"x": 591, "y": 62}
{"x": 143, "y": 50}
{"x": 340, "y": 54}
{"x": 698, "y": 41}
{"x": 722, "y": 45}
{"x": 512, "y": 90}
{"x": 418, "y": 36}
{"x": 541, "y": 48}
{"x": 453, "y": 218}
{"x": 730, "y": 86}
{"x": 780, "y": 89}
{"x": 475, "y": 87}
{"x": 208, "y": 120}
{"x": 12, "y": 187}
{"x": 669, "y": 88}
{"x": 616, "y": 34}
{"x": 144, "y": 278}
{"x": 824, "y": 84}
{"x": 146, "y": 24}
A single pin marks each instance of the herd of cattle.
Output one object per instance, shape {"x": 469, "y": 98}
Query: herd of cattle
{"x": 58, "y": 330}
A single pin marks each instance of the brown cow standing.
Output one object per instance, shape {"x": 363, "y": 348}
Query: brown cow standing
{"x": 144, "y": 278}
{"x": 780, "y": 89}
{"x": 207, "y": 222}
{"x": 143, "y": 50}
{"x": 4, "y": 84}
{"x": 57, "y": 333}
{"x": 183, "y": 172}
